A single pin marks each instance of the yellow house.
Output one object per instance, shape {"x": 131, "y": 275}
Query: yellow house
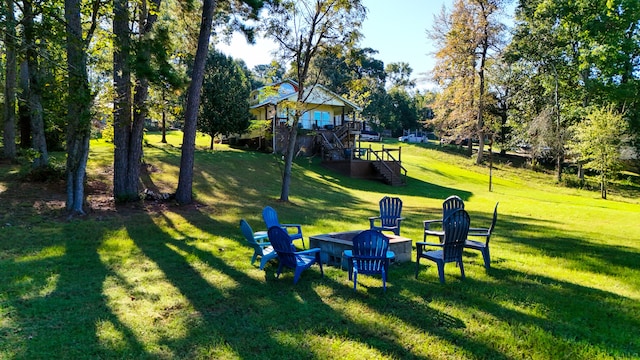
{"x": 328, "y": 126}
{"x": 323, "y": 109}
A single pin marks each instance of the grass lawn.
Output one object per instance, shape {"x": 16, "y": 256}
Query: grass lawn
{"x": 159, "y": 281}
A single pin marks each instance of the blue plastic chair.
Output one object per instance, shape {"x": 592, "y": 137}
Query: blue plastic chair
{"x": 289, "y": 257}
{"x": 449, "y": 205}
{"x": 456, "y": 229}
{"x": 270, "y": 217}
{"x": 262, "y": 249}
{"x": 390, "y": 210}
{"x": 483, "y": 247}
{"x": 369, "y": 256}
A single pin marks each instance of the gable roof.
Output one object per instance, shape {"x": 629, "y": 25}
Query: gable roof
{"x": 288, "y": 91}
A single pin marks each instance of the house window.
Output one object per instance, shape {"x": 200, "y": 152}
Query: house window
{"x": 305, "y": 121}
{"x": 321, "y": 118}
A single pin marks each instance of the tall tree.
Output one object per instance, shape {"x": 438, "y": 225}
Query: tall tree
{"x": 10, "y": 82}
{"x": 131, "y": 113}
{"x": 123, "y": 180}
{"x": 79, "y": 103}
{"x": 488, "y": 37}
{"x": 38, "y": 140}
{"x": 599, "y": 140}
{"x": 185, "y": 180}
{"x": 302, "y": 29}
{"x": 454, "y": 71}
{"x": 465, "y": 39}
{"x": 224, "y": 107}
{"x": 147, "y": 16}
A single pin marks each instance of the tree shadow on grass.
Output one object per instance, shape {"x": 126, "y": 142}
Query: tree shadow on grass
{"x": 277, "y": 312}
{"x": 576, "y": 248}
{"x": 56, "y": 303}
{"x": 572, "y": 318}
{"x": 413, "y": 187}
{"x": 546, "y": 316}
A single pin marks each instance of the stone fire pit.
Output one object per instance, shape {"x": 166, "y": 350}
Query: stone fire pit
{"x": 332, "y": 245}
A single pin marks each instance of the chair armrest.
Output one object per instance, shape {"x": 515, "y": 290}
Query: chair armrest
{"x": 308, "y": 251}
{"x": 372, "y": 220}
{"x": 297, "y": 226}
{"x": 427, "y": 223}
{"x": 478, "y": 232}
{"x": 422, "y": 243}
{"x": 420, "y": 246}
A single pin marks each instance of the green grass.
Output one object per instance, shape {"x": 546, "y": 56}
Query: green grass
{"x": 176, "y": 283}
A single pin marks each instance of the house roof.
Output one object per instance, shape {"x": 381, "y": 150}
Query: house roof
{"x": 288, "y": 91}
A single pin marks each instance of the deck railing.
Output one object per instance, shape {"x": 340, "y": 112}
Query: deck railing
{"x": 383, "y": 156}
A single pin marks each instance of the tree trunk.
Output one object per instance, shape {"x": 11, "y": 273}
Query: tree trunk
{"x": 560, "y": 146}
{"x": 38, "y": 141}
{"x": 148, "y": 18}
{"x": 288, "y": 164}
{"x": 10, "y": 83}
{"x": 480, "y": 124}
{"x": 122, "y": 102}
{"x": 23, "y": 107}
{"x": 79, "y": 109}
{"x": 185, "y": 180}
{"x": 164, "y": 116}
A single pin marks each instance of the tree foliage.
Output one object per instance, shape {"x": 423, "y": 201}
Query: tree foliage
{"x": 399, "y": 75}
{"x": 224, "y": 105}
{"x": 465, "y": 39}
{"x": 579, "y": 54}
{"x": 598, "y": 141}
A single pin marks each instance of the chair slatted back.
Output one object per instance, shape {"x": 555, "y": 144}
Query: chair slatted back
{"x": 281, "y": 243}
{"x": 456, "y": 229}
{"x": 390, "y": 210}
{"x": 495, "y": 218}
{"x": 450, "y": 205}
{"x": 270, "y": 217}
{"x": 370, "y": 252}
{"x": 248, "y": 234}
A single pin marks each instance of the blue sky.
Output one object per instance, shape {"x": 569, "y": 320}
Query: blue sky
{"x": 396, "y": 29}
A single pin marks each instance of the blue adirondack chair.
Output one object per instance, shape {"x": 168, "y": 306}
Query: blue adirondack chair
{"x": 456, "y": 229}
{"x": 483, "y": 247}
{"x": 289, "y": 257}
{"x": 449, "y": 205}
{"x": 370, "y": 255}
{"x": 262, "y": 249}
{"x": 270, "y": 217}
{"x": 389, "y": 219}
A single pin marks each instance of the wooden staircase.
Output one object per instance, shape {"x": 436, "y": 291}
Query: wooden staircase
{"x": 333, "y": 143}
{"x": 388, "y": 168}
{"x": 338, "y": 148}
{"x": 387, "y": 174}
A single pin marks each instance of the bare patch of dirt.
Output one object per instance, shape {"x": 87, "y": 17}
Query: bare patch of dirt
{"x": 21, "y": 200}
